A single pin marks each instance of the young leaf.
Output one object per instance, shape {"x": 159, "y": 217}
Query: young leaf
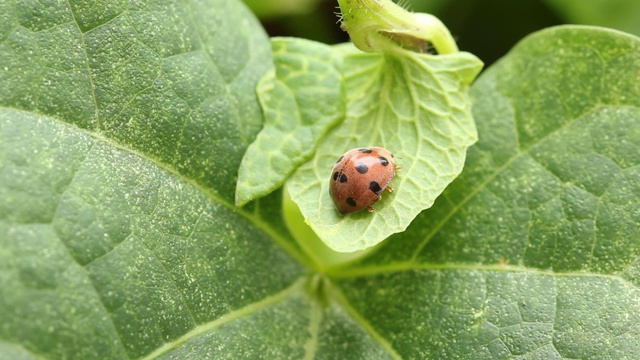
{"x": 300, "y": 103}
{"x": 417, "y": 107}
{"x": 533, "y": 251}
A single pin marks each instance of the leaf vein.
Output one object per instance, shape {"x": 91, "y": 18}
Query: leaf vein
{"x": 295, "y": 287}
{"x": 89, "y": 76}
{"x": 489, "y": 179}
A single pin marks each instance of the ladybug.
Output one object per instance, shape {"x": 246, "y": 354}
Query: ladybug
{"x": 358, "y": 178}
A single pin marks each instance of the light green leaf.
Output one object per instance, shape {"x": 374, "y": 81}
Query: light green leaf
{"x": 619, "y": 14}
{"x": 300, "y": 103}
{"x": 534, "y": 251}
{"x": 417, "y": 107}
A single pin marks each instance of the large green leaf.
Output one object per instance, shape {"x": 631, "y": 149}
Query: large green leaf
{"x": 118, "y": 242}
{"x": 171, "y": 81}
{"x": 533, "y": 252}
{"x": 122, "y": 126}
{"x": 105, "y": 254}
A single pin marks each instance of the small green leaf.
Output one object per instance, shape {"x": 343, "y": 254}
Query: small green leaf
{"x": 300, "y": 103}
{"x": 417, "y": 107}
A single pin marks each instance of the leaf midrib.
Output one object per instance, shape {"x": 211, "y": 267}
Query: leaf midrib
{"x": 374, "y": 270}
{"x": 364, "y": 324}
{"x": 252, "y": 308}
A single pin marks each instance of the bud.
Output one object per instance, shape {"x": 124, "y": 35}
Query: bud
{"x": 383, "y": 26}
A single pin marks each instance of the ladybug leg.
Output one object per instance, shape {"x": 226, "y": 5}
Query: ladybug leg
{"x": 370, "y": 208}
{"x": 389, "y": 189}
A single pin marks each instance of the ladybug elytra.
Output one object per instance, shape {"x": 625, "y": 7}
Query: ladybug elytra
{"x": 358, "y": 178}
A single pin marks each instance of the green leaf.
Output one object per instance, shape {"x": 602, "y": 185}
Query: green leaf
{"x": 122, "y": 126}
{"x": 109, "y": 251}
{"x": 171, "y": 81}
{"x": 415, "y": 106}
{"x": 300, "y": 103}
{"x": 100, "y": 241}
{"x": 619, "y": 14}
{"x": 534, "y": 251}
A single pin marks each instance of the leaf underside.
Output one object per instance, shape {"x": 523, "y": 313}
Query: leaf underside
{"x": 415, "y": 106}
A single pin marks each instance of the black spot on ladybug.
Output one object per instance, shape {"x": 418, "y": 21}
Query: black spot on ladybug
{"x": 375, "y": 187}
{"x": 351, "y": 201}
{"x": 362, "y": 168}
{"x": 365, "y": 150}
{"x": 342, "y": 157}
{"x": 335, "y": 176}
{"x": 383, "y": 160}
{"x": 343, "y": 178}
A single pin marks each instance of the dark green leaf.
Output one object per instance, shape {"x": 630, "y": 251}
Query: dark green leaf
{"x": 171, "y": 81}
{"x": 533, "y": 252}
{"x": 122, "y": 126}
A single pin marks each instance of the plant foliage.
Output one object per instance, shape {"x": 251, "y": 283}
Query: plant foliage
{"x": 122, "y": 129}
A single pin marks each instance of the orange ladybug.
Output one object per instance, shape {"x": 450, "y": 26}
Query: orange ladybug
{"x": 359, "y": 176}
